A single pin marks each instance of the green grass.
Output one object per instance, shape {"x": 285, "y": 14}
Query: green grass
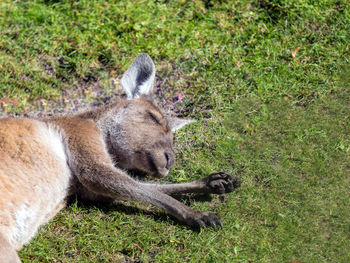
{"x": 267, "y": 81}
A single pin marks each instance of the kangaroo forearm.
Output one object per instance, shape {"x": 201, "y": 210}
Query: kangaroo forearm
{"x": 108, "y": 181}
{"x": 190, "y": 187}
{"x": 164, "y": 202}
{"x": 118, "y": 185}
{"x": 216, "y": 183}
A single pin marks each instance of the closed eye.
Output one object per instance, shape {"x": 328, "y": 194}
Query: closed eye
{"x": 154, "y": 118}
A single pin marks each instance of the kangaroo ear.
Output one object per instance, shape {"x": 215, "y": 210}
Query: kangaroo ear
{"x": 139, "y": 77}
{"x": 177, "y": 123}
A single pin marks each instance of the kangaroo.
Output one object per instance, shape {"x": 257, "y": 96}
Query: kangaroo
{"x": 44, "y": 161}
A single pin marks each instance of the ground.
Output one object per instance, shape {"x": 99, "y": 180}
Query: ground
{"x": 267, "y": 82}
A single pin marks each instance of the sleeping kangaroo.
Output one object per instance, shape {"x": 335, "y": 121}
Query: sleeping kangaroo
{"x": 44, "y": 161}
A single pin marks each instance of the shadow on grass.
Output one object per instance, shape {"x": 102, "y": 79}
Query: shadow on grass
{"x": 109, "y": 206}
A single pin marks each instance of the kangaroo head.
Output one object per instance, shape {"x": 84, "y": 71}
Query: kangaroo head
{"x": 139, "y": 135}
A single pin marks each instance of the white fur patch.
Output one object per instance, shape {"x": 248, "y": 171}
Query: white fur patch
{"x": 24, "y": 218}
{"x": 146, "y": 87}
{"x": 54, "y": 140}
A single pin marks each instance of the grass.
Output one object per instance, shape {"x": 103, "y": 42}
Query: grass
{"x": 268, "y": 84}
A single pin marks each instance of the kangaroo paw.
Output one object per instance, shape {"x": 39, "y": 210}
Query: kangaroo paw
{"x": 221, "y": 182}
{"x": 203, "y": 219}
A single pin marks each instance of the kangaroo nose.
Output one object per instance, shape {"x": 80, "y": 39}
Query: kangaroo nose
{"x": 169, "y": 159}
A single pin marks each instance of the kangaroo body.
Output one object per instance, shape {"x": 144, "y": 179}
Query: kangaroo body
{"x": 44, "y": 161}
{"x": 34, "y": 177}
